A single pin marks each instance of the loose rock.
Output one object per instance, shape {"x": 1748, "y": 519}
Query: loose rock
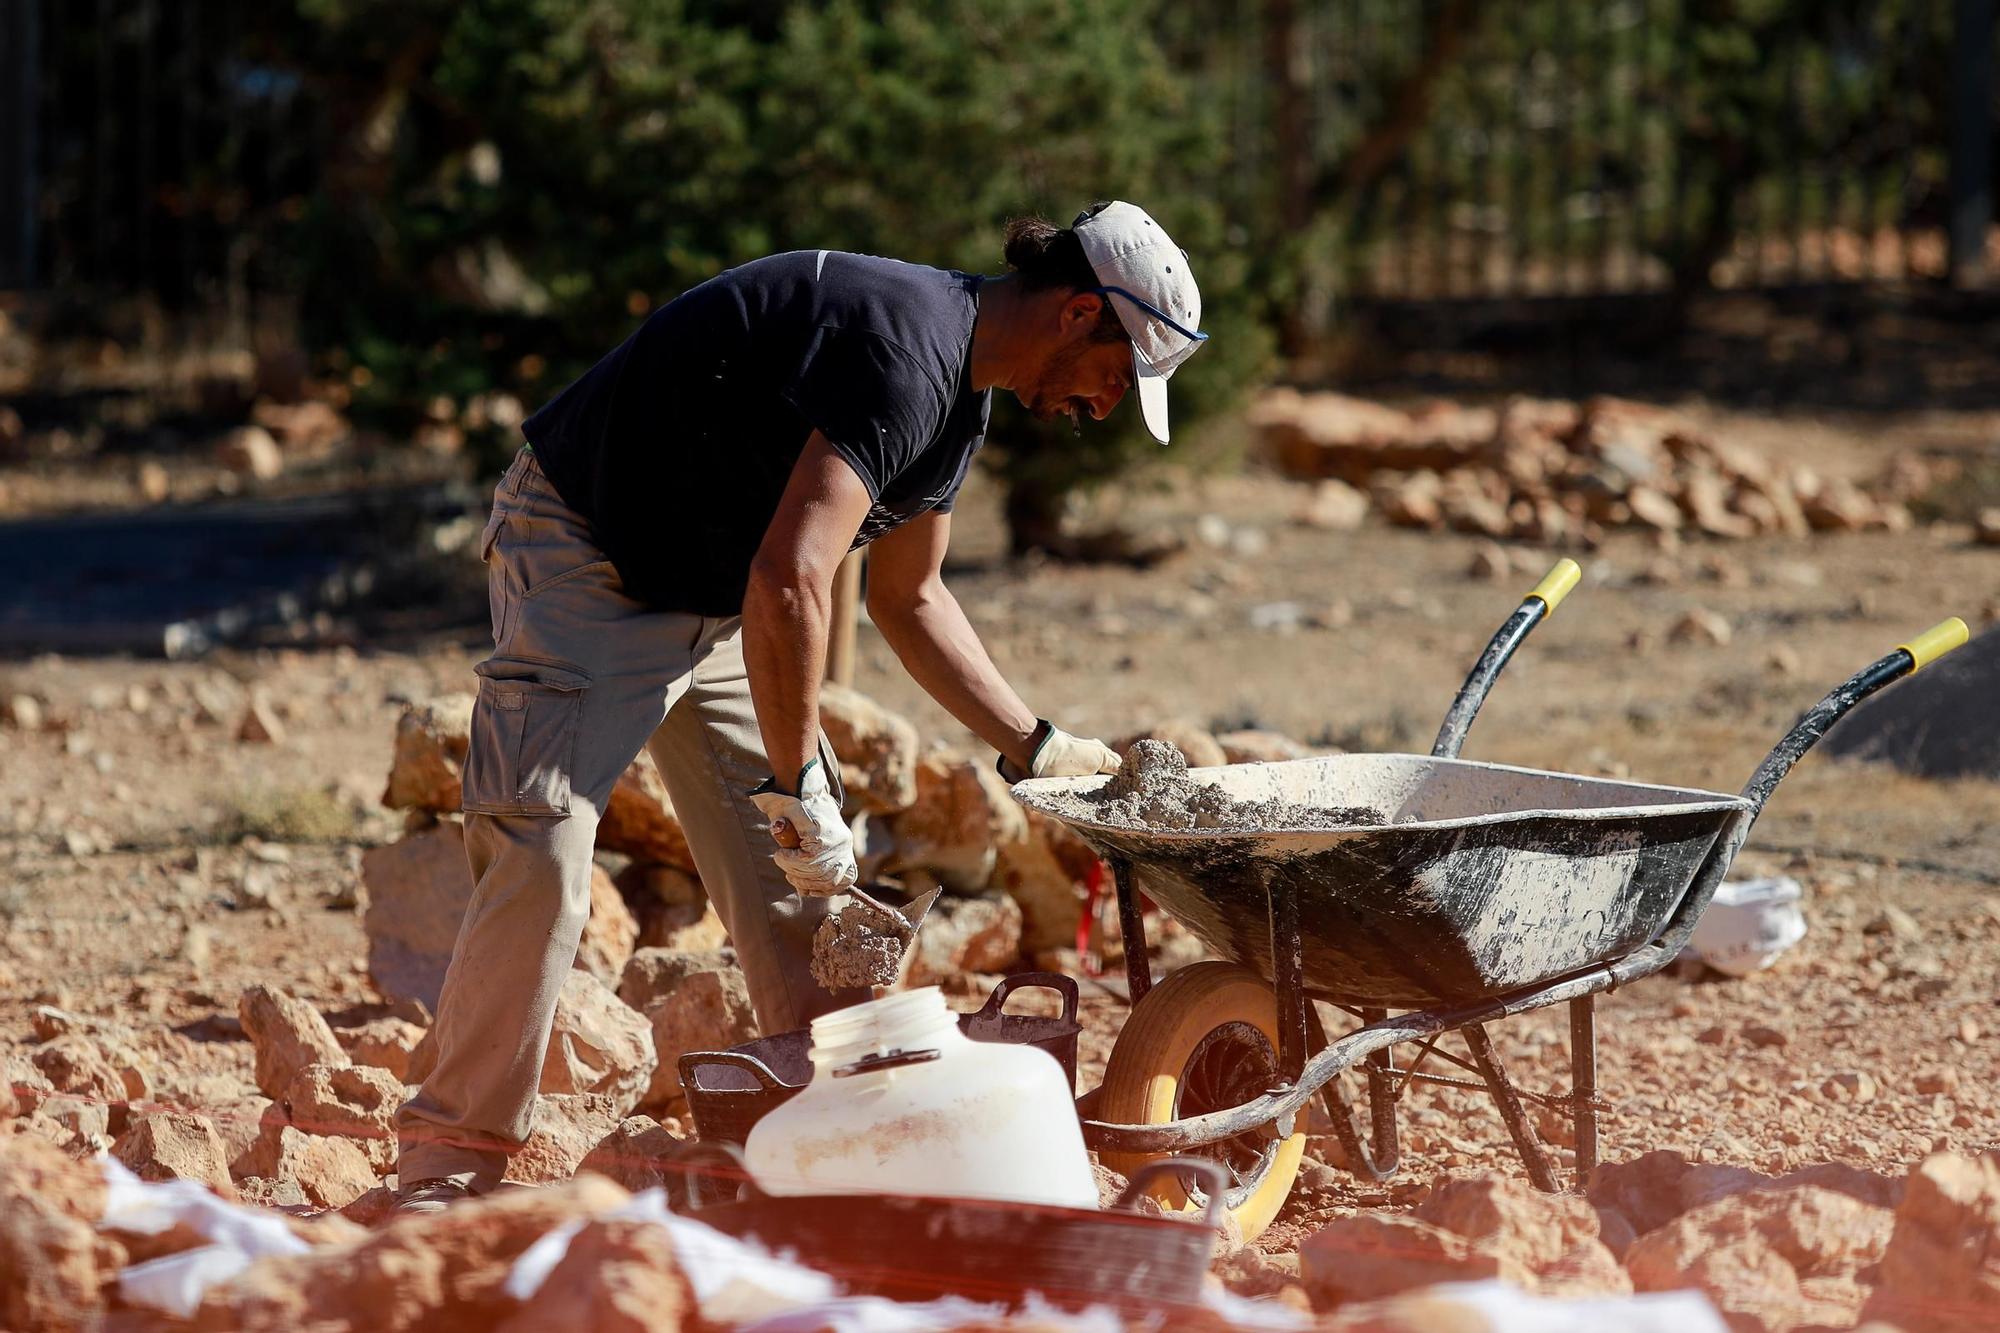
{"x": 288, "y": 1034}
{"x": 172, "y": 1145}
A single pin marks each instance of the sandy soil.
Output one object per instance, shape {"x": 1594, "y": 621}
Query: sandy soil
{"x": 128, "y": 888}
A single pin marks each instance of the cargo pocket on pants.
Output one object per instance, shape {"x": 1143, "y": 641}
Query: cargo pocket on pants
{"x": 523, "y": 743}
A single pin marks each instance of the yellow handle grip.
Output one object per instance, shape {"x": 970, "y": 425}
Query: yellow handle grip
{"x": 1935, "y": 642}
{"x": 1556, "y": 584}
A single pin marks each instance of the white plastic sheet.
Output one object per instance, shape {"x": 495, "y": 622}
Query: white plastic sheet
{"x": 175, "y": 1283}
{"x": 734, "y": 1281}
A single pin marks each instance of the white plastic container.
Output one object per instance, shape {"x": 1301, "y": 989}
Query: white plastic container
{"x": 902, "y": 1102}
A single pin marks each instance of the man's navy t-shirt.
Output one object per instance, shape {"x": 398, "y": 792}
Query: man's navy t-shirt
{"x": 677, "y": 446}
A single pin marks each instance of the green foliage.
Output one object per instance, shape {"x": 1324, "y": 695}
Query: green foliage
{"x": 644, "y": 145}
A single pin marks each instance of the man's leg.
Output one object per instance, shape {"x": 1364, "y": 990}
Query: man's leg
{"x": 579, "y": 677}
{"x": 711, "y": 754}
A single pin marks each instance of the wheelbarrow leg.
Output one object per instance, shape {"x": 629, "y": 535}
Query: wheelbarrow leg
{"x": 1583, "y": 1083}
{"x": 1288, "y": 978}
{"x": 1382, "y": 1101}
{"x": 1540, "y": 1174}
{"x": 1132, "y": 932}
{"x": 1372, "y": 1166}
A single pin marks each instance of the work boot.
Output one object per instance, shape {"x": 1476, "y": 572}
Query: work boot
{"x": 429, "y": 1196}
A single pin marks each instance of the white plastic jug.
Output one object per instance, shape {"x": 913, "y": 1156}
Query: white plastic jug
{"x": 902, "y": 1102}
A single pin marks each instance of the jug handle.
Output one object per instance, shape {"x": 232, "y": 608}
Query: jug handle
{"x": 756, "y": 1068}
{"x": 1055, "y": 981}
{"x": 896, "y": 1059}
{"x": 1214, "y": 1183}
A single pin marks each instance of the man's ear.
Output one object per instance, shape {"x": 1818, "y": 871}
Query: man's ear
{"x": 1081, "y": 311}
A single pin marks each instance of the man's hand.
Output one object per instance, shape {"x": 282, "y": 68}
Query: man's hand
{"x": 1061, "y": 755}
{"x": 815, "y": 846}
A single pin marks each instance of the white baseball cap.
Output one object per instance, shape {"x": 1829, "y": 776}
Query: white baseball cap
{"x": 1147, "y": 279}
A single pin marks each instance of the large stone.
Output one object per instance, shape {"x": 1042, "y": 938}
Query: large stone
{"x": 671, "y": 908}
{"x": 652, "y": 974}
{"x": 385, "y": 1043}
{"x": 438, "y": 1274}
{"x": 429, "y": 757}
{"x": 962, "y": 816}
{"x": 239, "y": 1123}
{"x": 1374, "y": 1254}
{"x": 611, "y": 933}
{"x": 599, "y": 1045}
{"x": 417, "y": 892}
{"x": 639, "y": 818}
{"x": 615, "y": 1277}
{"x": 967, "y": 935}
{"x": 1941, "y": 1270}
{"x": 287, "y": 1034}
{"x": 173, "y": 1145}
{"x": 250, "y": 451}
{"x": 567, "y": 1126}
{"x": 1553, "y": 1238}
{"x": 707, "y": 1010}
{"x": 876, "y": 748}
{"x": 75, "y": 1064}
{"x": 56, "y": 1272}
{"x": 636, "y": 1154}
{"x": 1749, "y": 1252}
{"x": 333, "y": 1172}
{"x": 424, "y": 774}
{"x": 1045, "y": 870}
{"x": 355, "y": 1102}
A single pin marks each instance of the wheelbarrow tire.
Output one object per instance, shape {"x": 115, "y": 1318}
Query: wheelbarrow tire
{"x": 1143, "y": 1080}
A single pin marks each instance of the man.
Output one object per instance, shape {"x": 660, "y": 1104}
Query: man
{"x": 661, "y": 558}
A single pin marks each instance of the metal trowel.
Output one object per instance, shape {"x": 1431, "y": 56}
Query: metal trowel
{"x": 909, "y": 909}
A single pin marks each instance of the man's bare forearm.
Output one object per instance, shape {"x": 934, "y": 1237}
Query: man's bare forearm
{"x": 785, "y": 618}
{"x": 942, "y": 652}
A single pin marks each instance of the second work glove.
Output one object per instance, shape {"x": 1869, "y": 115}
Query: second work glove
{"x": 1060, "y": 755}
{"x": 822, "y": 862}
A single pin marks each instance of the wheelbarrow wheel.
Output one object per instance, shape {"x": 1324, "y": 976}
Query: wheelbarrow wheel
{"x": 1205, "y": 1039}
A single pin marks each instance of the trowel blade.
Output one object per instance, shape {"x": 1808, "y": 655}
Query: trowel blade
{"x": 906, "y": 908}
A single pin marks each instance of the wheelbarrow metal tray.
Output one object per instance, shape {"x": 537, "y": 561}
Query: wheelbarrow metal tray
{"x": 1482, "y": 878}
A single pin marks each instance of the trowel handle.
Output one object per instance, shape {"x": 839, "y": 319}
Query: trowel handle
{"x": 784, "y": 834}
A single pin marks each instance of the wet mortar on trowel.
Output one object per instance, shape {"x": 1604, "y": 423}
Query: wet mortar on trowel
{"x": 858, "y": 944}
{"x": 1152, "y": 790}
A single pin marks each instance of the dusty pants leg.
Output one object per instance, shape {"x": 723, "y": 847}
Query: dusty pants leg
{"x": 711, "y": 754}
{"x": 580, "y": 676}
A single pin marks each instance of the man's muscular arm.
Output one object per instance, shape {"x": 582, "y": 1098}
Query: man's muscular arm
{"x": 937, "y": 645}
{"x": 789, "y": 602}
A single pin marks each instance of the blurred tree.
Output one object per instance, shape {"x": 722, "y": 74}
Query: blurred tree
{"x": 523, "y": 179}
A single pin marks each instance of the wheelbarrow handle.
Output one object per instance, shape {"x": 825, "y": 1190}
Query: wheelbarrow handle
{"x": 1907, "y": 659}
{"x": 1540, "y": 603}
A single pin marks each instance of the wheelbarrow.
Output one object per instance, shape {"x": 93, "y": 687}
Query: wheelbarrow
{"x": 1485, "y": 891}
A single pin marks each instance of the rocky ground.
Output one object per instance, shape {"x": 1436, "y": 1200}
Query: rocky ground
{"x": 218, "y": 945}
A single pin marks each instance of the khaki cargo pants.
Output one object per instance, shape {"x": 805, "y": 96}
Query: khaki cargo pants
{"x": 580, "y": 677}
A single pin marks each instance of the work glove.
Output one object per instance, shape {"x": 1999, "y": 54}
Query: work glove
{"x": 1061, "y": 755}
{"x": 815, "y": 846}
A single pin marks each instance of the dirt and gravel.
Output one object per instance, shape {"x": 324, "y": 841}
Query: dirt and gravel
{"x": 156, "y": 860}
